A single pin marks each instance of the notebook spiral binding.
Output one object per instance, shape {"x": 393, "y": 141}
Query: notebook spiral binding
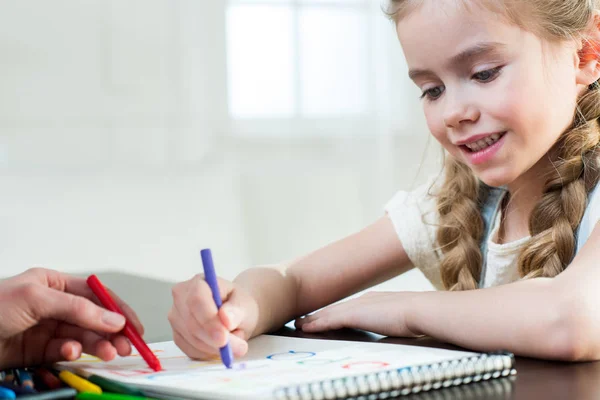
{"x": 404, "y": 381}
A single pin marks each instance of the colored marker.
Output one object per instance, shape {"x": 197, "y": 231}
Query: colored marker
{"x": 108, "y": 396}
{"x": 211, "y": 278}
{"x": 24, "y": 378}
{"x": 129, "y": 330}
{"x": 114, "y": 387}
{"x": 9, "y": 376}
{"x": 19, "y": 390}
{"x": 78, "y": 383}
{"x": 47, "y": 378}
{"x": 6, "y": 393}
{"x": 62, "y": 393}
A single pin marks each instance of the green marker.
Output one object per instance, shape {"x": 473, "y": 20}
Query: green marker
{"x": 114, "y": 387}
{"x": 108, "y": 396}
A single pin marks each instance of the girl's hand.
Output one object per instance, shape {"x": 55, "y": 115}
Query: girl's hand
{"x": 47, "y": 316}
{"x": 199, "y": 329}
{"x": 379, "y": 312}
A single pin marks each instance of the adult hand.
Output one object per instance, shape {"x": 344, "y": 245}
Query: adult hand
{"x": 48, "y": 316}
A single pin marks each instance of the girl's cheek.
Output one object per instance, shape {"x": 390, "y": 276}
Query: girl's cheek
{"x": 437, "y": 127}
{"x": 432, "y": 125}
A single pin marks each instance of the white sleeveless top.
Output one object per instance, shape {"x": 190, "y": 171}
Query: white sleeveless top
{"x": 415, "y": 218}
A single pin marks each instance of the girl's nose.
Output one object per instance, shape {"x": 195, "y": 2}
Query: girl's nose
{"x": 458, "y": 112}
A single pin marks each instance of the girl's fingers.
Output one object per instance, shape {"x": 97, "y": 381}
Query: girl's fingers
{"x": 196, "y": 319}
{"x": 204, "y": 353}
{"x": 307, "y": 319}
{"x": 181, "y": 319}
{"x": 231, "y": 313}
{"x": 238, "y": 343}
{"x": 299, "y": 322}
{"x": 181, "y": 327}
{"x": 205, "y": 321}
{"x": 329, "y": 318}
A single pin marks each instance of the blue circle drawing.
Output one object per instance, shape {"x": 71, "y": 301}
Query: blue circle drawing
{"x": 291, "y": 355}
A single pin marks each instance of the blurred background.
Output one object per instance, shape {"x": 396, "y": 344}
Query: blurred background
{"x": 133, "y": 133}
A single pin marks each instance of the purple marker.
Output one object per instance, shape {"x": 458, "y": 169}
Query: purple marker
{"x": 211, "y": 278}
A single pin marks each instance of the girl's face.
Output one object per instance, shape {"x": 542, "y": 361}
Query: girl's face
{"x": 495, "y": 96}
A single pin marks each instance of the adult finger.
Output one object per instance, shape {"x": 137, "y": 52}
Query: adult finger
{"x": 79, "y": 287}
{"x": 91, "y": 342}
{"x": 62, "y": 349}
{"x": 122, "y": 345}
{"x": 46, "y": 303}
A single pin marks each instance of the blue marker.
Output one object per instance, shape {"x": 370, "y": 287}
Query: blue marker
{"x": 6, "y": 393}
{"x": 211, "y": 278}
{"x": 24, "y": 378}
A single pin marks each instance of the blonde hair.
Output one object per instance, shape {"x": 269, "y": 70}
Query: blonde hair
{"x": 554, "y": 220}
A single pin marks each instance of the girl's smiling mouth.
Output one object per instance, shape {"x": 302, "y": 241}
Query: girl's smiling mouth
{"x": 482, "y": 148}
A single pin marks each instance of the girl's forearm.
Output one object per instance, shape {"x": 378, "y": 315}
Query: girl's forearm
{"x": 336, "y": 271}
{"x": 275, "y": 294}
{"x": 527, "y": 318}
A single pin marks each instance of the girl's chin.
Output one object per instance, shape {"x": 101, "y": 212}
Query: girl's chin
{"x": 496, "y": 177}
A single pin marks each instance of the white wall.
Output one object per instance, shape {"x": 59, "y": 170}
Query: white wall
{"x": 117, "y": 152}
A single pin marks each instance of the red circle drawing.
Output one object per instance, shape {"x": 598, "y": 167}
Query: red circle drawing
{"x": 365, "y": 364}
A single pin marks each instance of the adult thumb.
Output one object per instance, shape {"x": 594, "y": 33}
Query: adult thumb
{"x": 47, "y": 303}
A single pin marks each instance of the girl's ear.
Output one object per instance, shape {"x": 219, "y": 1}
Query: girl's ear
{"x": 589, "y": 54}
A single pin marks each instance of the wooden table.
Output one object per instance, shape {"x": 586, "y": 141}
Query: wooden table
{"x": 535, "y": 379}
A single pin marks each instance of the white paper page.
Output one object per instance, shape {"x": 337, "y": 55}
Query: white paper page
{"x": 272, "y": 362}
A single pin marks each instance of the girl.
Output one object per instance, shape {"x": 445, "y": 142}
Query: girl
{"x": 509, "y": 90}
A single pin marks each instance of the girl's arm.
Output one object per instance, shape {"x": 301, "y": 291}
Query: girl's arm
{"x": 329, "y": 274}
{"x": 555, "y": 318}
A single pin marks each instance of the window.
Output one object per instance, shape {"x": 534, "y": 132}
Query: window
{"x": 299, "y": 66}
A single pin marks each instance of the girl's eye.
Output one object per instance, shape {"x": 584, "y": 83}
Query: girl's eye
{"x": 487, "y": 75}
{"x": 433, "y": 93}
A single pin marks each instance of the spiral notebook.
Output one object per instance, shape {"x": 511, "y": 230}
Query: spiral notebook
{"x": 292, "y": 368}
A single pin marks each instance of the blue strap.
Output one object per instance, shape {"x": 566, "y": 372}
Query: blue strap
{"x": 586, "y": 225}
{"x": 489, "y": 204}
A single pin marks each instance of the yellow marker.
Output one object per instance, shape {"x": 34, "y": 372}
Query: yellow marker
{"x": 78, "y": 383}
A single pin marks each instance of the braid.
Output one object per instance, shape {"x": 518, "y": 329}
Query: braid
{"x": 461, "y": 227}
{"x": 555, "y": 218}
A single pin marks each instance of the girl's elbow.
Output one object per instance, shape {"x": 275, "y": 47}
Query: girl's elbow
{"x": 576, "y": 336}
{"x": 569, "y": 348}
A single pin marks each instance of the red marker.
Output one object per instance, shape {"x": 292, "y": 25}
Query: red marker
{"x": 129, "y": 330}
{"x": 48, "y": 378}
